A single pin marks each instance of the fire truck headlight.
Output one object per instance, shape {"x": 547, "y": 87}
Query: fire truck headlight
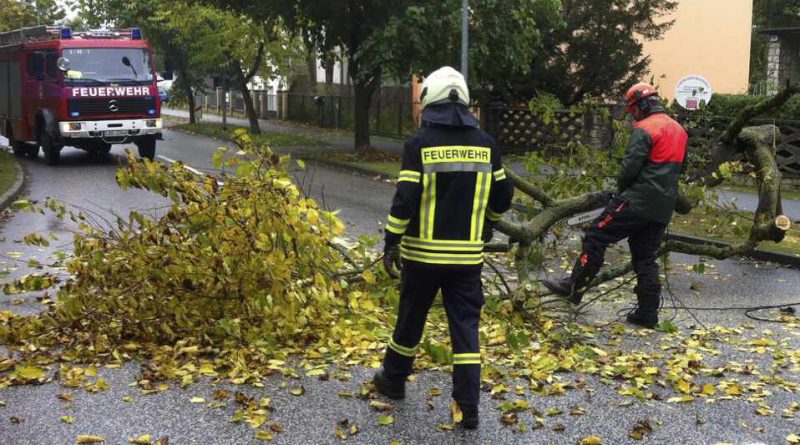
{"x": 70, "y": 126}
{"x": 153, "y": 123}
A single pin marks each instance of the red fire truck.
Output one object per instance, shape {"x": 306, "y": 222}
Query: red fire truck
{"x": 87, "y": 90}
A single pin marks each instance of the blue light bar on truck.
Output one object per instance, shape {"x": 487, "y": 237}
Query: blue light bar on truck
{"x": 74, "y": 114}
{"x": 151, "y": 111}
{"x": 136, "y": 33}
{"x": 66, "y": 33}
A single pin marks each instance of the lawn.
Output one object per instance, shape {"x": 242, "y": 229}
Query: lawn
{"x": 8, "y": 172}
{"x": 699, "y": 223}
{"x": 374, "y": 161}
{"x": 215, "y": 130}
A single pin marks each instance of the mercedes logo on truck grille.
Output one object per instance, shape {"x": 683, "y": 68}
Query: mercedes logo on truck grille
{"x": 113, "y": 106}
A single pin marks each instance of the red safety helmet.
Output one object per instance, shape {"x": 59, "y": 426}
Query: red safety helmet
{"x": 638, "y": 92}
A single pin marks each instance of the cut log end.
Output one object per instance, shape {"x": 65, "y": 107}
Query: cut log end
{"x": 783, "y": 223}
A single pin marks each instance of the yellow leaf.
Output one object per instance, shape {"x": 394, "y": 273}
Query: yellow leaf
{"x": 709, "y": 390}
{"x": 298, "y": 390}
{"x": 652, "y": 370}
{"x": 733, "y": 390}
{"x": 88, "y": 438}
{"x": 144, "y": 439}
{"x": 793, "y": 439}
{"x": 385, "y": 420}
{"x": 67, "y": 419}
{"x": 91, "y": 371}
{"x": 377, "y": 405}
{"x": 591, "y": 440}
{"x": 29, "y": 372}
{"x": 764, "y": 411}
{"x": 207, "y": 369}
{"x": 264, "y": 435}
{"x": 456, "y": 410}
{"x": 198, "y": 400}
{"x": 340, "y": 434}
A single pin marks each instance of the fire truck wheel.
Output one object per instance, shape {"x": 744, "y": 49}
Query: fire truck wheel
{"x": 32, "y": 150}
{"x": 18, "y": 147}
{"x": 147, "y": 148}
{"x": 52, "y": 152}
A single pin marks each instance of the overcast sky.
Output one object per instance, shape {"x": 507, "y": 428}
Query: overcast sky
{"x": 70, "y": 13}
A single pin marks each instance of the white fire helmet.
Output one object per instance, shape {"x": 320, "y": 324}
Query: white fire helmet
{"x": 444, "y": 85}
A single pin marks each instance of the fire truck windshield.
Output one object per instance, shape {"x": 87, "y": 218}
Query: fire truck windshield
{"x": 108, "y": 65}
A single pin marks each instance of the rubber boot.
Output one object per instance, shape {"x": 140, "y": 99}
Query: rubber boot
{"x": 572, "y": 288}
{"x": 646, "y": 318}
{"x": 388, "y": 387}
{"x": 469, "y": 419}
{"x": 646, "y": 314}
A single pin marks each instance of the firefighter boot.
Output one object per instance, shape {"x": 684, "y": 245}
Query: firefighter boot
{"x": 469, "y": 418}
{"x": 389, "y": 388}
{"x": 572, "y": 288}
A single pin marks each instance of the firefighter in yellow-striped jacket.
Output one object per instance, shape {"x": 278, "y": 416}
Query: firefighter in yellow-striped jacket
{"x": 451, "y": 190}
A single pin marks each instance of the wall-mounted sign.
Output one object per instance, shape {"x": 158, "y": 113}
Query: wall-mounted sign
{"x": 691, "y": 91}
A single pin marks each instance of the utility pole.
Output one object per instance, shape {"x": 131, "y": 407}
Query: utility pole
{"x": 465, "y": 39}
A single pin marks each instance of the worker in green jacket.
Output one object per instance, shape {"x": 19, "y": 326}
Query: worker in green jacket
{"x": 647, "y": 190}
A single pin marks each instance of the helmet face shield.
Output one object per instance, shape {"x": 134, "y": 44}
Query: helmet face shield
{"x": 638, "y": 92}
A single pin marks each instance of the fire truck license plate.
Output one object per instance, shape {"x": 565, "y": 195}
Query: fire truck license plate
{"x": 115, "y": 133}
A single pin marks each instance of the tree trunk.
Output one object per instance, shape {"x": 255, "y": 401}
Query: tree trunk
{"x": 250, "y": 109}
{"x": 363, "y": 101}
{"x": 187, "y": 89}
{"x": 330, "y": 63}
{"x": 242, "y": 80}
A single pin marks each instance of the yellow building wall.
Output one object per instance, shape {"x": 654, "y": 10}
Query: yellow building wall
{"x": 710, "y": 38}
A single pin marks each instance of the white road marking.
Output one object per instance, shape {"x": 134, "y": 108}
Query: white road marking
{"x": 187, "y": 167}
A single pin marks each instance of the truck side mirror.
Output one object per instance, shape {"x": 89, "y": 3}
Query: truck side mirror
{"x": 126, "y": 61}
{"x": 63, "y": 64}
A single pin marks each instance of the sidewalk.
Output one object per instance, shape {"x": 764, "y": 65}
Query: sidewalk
{"x": 336, "y": 140}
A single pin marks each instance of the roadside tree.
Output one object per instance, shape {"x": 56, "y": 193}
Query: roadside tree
{"x": 597, "y": 50}
{"x": 16, "y": 14}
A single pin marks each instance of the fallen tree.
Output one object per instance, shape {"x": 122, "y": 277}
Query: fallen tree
{"x": 544, "y": 212}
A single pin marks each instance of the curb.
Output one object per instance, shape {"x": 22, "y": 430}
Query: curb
{"x": 345, "y": 166}
{"x": 760, "y": 255}
{"x": 11, "y": 194}
{"x": 308, "y": 158}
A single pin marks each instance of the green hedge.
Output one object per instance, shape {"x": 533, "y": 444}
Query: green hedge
{"x": 731, "y": 104}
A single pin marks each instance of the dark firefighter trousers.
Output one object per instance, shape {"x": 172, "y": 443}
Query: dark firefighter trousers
{"x": 644, "y": 238}
{"x": 463, "y": 298}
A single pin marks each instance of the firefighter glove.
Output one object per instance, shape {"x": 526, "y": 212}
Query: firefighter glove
{"x": 391, "y": 260}
{"x": 488, "y": 231}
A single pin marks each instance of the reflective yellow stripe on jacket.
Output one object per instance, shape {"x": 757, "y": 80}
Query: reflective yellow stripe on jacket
{"x": 396, "y": 225}
{"x": 465, "y": 252}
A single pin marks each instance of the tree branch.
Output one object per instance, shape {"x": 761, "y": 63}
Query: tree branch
{"x": 529, "y": 188}
{"x": 751, "y": 111}
{"x": 256, "y": 64}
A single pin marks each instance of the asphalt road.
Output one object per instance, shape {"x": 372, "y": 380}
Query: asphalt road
{"x": 89, "y": 183}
